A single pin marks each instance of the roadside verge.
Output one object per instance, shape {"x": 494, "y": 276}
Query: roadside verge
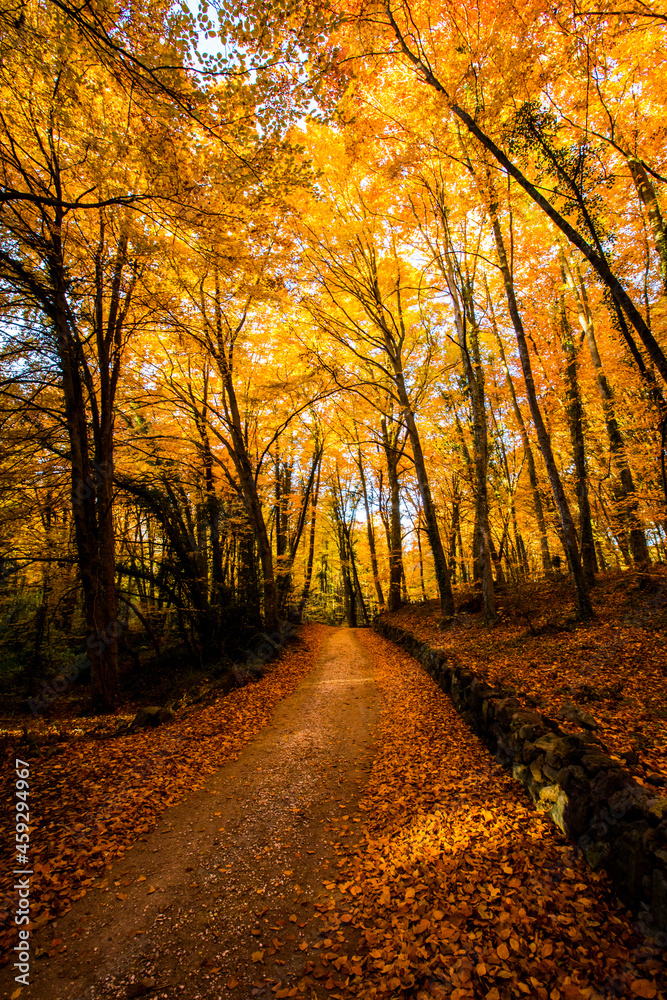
{"x": 570, "y": 777}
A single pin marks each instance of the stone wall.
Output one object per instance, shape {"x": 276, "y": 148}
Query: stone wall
{"x": 594, "y": 801}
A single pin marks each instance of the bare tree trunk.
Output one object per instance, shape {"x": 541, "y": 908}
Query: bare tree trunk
{"x": 393, "y": 452}
{"x": 569, "y": 533}
{"x": 432, "y": 530}
{"x": 421, "y": 555}
{"x": 628, "y": 500}
{"x": 527, "y": 449}
{"x": 455, "y": 531}
{"x": 349, "y": 593}
{"x": 239, "y": 454}
{"x": 311, "y": 547}
{"x": 370, "y": 531}
{"x": 355, "y": 576}
{"x": 474, "y": 377}
{"x": 575, "y": 417}
{"x": 649, "y": 200}
{"x": 91, "y": 487}
{"x": 292, "y": 538}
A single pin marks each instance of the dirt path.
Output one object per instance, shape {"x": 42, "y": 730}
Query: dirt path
{"x": 221, "y": 900}
{"x": 253, "y": 887}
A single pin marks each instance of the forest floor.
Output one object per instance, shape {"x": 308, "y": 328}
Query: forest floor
{"x": 359, "y": 841}
{"x": 613, "y": 667}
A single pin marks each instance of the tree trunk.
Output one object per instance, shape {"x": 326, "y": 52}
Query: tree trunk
{"x": 311, "y": 547}
{"x": 575, "y": 418}
{"x": 455, "y": 531}
{"x": 474, "y": 377}
{"x": 527, "y": 449}
{"x": 370, "y": 531}
{"x": 393, "y": 453}
{"x": 569, "y": 534}
{"x": 240, "y": 457}
{"x": 355, "y": 576}
{"x": 349, "y": 593}
{"x": 92, "y": 496}
{"x": 432, "y": 530}
{"x": 628, "y": 500}
{"x": 421, "y": 555}
{"x": 292, "y": 539}
{"x": 649, "y": 200}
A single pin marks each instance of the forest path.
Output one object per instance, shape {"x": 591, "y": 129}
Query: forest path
{"x": 237, "y": 867}
{"x": 254, "y": 886}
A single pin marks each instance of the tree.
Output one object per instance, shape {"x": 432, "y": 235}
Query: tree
{"x": 71, "y": 249}
{"x": 370, "y": 307}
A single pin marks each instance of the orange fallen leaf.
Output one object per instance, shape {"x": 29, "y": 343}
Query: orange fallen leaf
{"x": 644, "y": 988}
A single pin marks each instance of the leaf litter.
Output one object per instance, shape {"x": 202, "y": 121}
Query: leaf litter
{"x": 461, "y": 889}
{"x": 613, "y": 667}
{"x": 96, "y": 798}
{"x": 447, "y": 884}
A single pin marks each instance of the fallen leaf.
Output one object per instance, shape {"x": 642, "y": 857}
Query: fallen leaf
{"x": 644, "y": 988}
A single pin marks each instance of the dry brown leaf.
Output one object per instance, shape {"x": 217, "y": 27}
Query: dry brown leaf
{"x": 644, "y": 988}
